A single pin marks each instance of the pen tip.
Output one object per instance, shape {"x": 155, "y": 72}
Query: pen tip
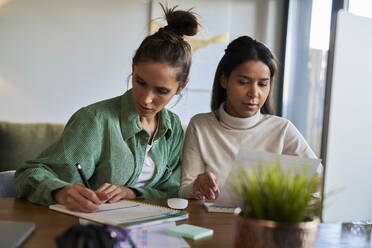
{"x": 78, "y": 165}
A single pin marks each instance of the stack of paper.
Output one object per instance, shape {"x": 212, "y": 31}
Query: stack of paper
{"x": 127, "y": 213}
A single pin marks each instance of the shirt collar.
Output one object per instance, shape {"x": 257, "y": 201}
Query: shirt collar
{"x": 232, "y": 122}
{"x": 165, "y": 126}
{"x": 130, "y": 120}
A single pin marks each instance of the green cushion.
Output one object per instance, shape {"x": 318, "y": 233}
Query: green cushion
{"x": 24, "y": 141}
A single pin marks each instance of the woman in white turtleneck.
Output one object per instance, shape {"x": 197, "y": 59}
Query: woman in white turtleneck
{"x": 241, "y": 117}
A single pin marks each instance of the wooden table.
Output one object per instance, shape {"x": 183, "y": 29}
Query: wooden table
{"x": 50, "y": 224}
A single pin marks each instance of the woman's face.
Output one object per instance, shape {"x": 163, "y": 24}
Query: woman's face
{"x": 154, "y": 85}
{"x": 247, "y": 88}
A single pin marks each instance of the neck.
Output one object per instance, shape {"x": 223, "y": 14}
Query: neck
{"x": 236, "y": 123}
{"x": 150, "y": 124}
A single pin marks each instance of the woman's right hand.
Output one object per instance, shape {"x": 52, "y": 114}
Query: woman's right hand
{"x": 205, "y": 186}
{"x": 79, "y": 198}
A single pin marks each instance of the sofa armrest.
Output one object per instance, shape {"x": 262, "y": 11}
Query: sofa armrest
{"x": 23, "y": 141}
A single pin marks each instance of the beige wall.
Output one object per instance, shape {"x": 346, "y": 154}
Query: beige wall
{"x": 59, "y": 55}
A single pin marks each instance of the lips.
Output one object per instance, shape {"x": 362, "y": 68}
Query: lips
{"x": 145, "y": 109}
{"x": 250, "y": 105}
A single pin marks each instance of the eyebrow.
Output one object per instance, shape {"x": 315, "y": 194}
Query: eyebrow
{"x": 138, "y": 77}
{"x": 160, "y": 87}
{"x": 261, "y": 79}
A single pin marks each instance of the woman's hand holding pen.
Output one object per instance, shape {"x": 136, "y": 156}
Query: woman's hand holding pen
{"x": 116, "y": 193}
{"x": 205, "y": 186}
{"x": 77, "y": 197}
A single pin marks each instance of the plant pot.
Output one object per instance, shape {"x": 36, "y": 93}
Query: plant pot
{"x": 269, "y": 234}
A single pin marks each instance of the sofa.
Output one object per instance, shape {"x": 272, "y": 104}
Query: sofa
{"x": 20, "y": 142}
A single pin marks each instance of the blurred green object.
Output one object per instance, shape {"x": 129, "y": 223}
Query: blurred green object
{"x": 272, "y": 193}
{"x": 24, "y": 141}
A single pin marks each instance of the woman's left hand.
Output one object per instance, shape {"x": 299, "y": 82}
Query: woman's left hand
{"x": 116, "y": 193}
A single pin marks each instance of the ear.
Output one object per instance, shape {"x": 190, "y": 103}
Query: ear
{"x": 180, "y": 88}
{"x": 223, "y": 81}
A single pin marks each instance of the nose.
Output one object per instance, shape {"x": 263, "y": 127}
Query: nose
{"x": 147, "y": 97}
{"x": 253, "y": 90}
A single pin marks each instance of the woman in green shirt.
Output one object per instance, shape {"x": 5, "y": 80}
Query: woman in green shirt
{"x": 128, "y": 146}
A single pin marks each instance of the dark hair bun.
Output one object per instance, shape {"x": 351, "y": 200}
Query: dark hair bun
{"x": 181, "y": 22}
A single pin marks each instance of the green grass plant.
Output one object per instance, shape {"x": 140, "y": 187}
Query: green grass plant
{"x": 272, "y": 193}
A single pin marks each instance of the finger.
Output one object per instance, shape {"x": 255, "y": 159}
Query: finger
{"x": 201, "y": 196}
{"x": 212, "y": 181}
{"x": 205, "y": 189}
{"x": 199, "y": 188}
{"x": 210, "y": 195}
{"x": 117, "y": 191}
{"x": 125, "y": 193}
{"x": 78, "y": 201}
{"x": 103, "y": 187}
{"x": 75, "y": 206}
{"x": 197, "y": 193}
{"x": 73, "y": 200}
{"x": 110, "y": 189}
{"x": 218, "y": 191}
{"x": 117, "y": 198}
{"x": 195, "y": 189}
{"x": 88, "y": 193}
{"x": 103, "y": 196}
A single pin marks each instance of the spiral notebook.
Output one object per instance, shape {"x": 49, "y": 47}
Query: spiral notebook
{"x": 127, "y": 213}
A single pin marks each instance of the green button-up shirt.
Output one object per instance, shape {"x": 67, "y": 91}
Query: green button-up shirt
{"x": 109, "y": 142}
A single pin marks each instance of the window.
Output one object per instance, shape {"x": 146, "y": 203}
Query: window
{"x": 361, "y": 7}
{"x": 308, "y": 34}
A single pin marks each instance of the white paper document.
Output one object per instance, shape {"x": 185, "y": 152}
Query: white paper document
{"x": 154, "y": 237}
{"x": 253, "y": 159}
{"x": 127, "y": 213}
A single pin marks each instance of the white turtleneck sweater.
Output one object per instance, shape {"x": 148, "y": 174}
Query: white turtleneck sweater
{"x": 212, "y": 141}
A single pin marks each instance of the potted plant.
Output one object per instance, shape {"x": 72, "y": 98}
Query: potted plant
{"x": 278, "y": 206}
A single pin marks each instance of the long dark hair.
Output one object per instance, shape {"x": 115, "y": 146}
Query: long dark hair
{"x": 167, "y": 44}
{"x": 241, "y": 50}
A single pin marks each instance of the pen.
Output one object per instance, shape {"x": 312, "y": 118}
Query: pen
{"x": 81, "y": 173}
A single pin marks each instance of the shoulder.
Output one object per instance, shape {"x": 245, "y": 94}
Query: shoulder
{"x": 287, "y": 129}
{"x": 278, "y": 125}
{"x": 202, "y": 124}
{"x": 203, "y": 119}
{"x": 106, "y": 109}
{"x": 276, "y": 121}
